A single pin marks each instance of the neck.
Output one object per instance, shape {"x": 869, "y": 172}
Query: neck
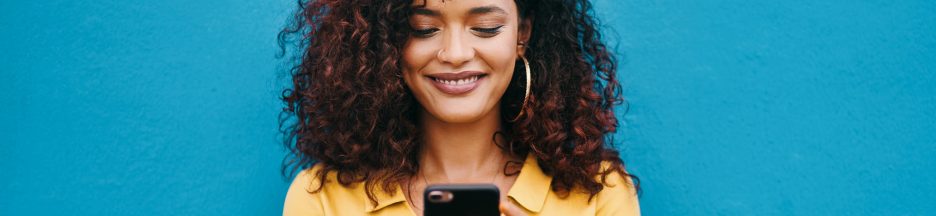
{"x": 461, "y": 152}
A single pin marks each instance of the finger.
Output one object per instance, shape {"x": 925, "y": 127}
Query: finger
{"x": 509, "y": 209}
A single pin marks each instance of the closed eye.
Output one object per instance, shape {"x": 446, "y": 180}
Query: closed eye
{"x": 488, "y": 32}
{"x": 425, "y": 32}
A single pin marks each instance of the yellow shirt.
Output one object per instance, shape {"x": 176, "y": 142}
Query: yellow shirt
{"x": 531, "y": 192}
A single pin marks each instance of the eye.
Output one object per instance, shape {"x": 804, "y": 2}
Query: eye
{"x": 488, "y": 32}
{"x": 426, "y": 32}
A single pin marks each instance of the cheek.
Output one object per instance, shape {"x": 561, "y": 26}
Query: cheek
{"x": 415, "y": 57}
{"x": 500, "y": 56}
{"x": 412, "y": 60}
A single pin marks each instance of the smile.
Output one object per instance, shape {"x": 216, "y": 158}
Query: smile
{"x": 456, "y": 83}
{"x": 459, "y": 82}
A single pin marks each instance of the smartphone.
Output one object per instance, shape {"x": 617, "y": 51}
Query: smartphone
{"x": 461, "y": 199}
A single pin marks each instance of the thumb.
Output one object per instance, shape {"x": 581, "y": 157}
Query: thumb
{"x": 509, "y": 209}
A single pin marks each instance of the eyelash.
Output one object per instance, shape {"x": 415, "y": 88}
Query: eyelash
{"x": 494, "y": 30}
{"x": 424, "y": 32}
{"x": 486, "y": 32}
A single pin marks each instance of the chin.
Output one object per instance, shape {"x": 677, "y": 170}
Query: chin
{"x": 472, "y": 106}
{"x": 458, "y": 117}
{"x": 459, "y": 114}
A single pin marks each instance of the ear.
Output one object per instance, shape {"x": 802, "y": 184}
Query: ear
{"x": 523, "y": 39}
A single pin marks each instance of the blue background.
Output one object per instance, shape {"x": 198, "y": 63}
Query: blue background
{"x": 736, "y": 107}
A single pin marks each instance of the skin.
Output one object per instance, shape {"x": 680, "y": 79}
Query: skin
{"x": 475, "y": 35}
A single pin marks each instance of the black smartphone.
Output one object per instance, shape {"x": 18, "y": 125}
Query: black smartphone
{"x": 461, "y": 199}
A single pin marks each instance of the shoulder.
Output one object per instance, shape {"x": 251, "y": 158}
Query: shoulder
{"x": 615, "y": 179}
{"x": 619, "y": 196}
{"x": 315, "y": 181}
{"x": 311, "y": 178}
{"x": 311, "y": 194}
{"x": 303, "y": 196}
{"x": 315, "y": 192}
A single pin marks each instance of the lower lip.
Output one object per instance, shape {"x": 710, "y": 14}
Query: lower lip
{"x": 456, "y": 89}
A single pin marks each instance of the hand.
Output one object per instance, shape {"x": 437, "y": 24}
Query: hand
{"x": 509, "y": 209}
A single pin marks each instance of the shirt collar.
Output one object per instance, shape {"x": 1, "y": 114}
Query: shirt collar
{"x": 529, "y": 190}
{"x": 531, "y": 186}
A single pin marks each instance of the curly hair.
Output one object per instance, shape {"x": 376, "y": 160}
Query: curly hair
{"x": 349, "y": 109}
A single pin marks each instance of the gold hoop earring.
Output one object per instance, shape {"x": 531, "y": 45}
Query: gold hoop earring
{"x": 526, "y": 92}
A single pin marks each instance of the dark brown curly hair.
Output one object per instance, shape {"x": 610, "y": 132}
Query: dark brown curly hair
{"x": 349, "y": 109}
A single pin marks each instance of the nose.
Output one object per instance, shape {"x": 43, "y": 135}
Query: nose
{"x": 455, "y": 49}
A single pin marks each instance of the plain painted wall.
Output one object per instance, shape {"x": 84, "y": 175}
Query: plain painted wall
{"x": 735, "y": 107}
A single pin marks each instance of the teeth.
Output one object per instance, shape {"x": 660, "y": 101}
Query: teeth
{"x": 464, "y": 81}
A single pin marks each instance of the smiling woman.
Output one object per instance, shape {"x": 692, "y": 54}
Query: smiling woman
{"x": 392, "y": 96}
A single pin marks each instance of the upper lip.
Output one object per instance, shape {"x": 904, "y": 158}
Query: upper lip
{"x": 456, "y": 76}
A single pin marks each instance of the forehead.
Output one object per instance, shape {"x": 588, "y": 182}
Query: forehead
{"x": 439, "y": 7}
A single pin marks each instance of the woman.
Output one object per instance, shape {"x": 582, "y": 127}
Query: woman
{"x": 392, "y": 96}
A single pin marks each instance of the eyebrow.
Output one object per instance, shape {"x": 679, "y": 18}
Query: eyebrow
{"x": 473, "y": 11}
{"x": 487, "y": 9}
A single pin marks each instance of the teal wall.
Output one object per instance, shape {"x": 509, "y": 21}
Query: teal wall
{"x": 780, "y": 107}
{"x": 736, "y": 107}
